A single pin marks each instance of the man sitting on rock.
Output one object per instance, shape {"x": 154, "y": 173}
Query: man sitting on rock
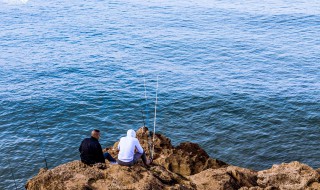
{"x": 127, "y": 147}
{"x": 91, "y": 151}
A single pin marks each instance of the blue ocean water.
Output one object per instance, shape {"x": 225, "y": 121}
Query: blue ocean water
{"x": 239, "y": 78}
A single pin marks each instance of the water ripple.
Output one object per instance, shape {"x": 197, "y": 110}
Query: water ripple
{"x": 241, "y": 79}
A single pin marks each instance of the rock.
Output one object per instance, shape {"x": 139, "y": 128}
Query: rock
{"x": 188, "y": 159}
{"x": 314, "y": 186}
{"x": 288, "y": 176}
{"x": 75, "y": 175}
{"x": 243, "y": 176}
{"x": 185, "y": 167}
{"x": 226, "y": 178}
{"x": 258, "y": 188}
{"x": 185, "y": 159}
{"x": 214, "y": 179}
{"x": 67, "y": 176}
{"x": 161, "y": 144}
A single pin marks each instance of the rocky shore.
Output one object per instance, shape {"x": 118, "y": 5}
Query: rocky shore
{"x": 186, "y": 166}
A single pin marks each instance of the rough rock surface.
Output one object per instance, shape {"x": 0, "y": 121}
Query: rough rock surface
{"x": 186, "y": 166}
{"x": 289, "y": 176}
{"x": 185, "y": 159}
{"x": 230, "y": 177}
{"x": 75, "y": 175}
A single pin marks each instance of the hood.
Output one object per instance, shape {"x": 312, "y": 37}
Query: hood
{"x": 131, "y": 133}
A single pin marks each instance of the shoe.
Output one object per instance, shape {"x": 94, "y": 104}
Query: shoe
{"x": 113, "y": 163}
{"x": 149, "y": 161}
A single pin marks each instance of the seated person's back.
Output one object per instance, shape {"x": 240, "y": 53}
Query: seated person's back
{"x": 91, "y": 151}
{"x": 127, "y": 147}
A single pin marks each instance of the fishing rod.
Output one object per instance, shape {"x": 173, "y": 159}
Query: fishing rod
{"x": 12, "y": 174}
{"x": 41, "y": 143}
{"x": 146, "y": 99}
{"x": 145, "y": 123}
{"x": 155, "y": 118}
{"x": 142, "y": 112}
{"x": 109, "y": 114}
{"x": 151, "y": 144}
{"x": 145, "y": 113}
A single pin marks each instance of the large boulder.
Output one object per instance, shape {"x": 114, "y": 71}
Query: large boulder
{"x": 188, "y": 159}
{"x": 73, "y": 175}
{"x": 77, "y": 176}
{"x": 288, "y": 176}
{"x": 226, "y": 178}
{"x": 185, "y": 159}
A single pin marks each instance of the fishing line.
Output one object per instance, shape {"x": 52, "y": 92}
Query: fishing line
{"x": 12, "y": 173}
{"x": 146, "y": 100}
{"x": 155, "y": 118}
{"x": 111, "y": 106}
{"x": 144, "y": 112}
{"x": 41, "y": 143}
{"x": 112, "y": 115}
{"x": 145, "y": 119}
{"x": 144, "y": 124}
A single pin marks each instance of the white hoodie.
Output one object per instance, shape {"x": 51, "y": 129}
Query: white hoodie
{"x": 127, "y": 145}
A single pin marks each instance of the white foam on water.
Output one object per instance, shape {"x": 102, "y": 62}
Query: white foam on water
{"x": 15, "y": 2}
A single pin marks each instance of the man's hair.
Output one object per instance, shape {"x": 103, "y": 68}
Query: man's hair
{"x": 96, "y": 130}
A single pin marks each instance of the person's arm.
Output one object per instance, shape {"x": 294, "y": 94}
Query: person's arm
{"x": 121, "y": 139}
{"x": 97, "y": 151}
{"x": 138, "y": 146}
{"x": 100, "y": 154}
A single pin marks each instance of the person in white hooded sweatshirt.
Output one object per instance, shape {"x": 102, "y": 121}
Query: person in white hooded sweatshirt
{"x": 127, "y": 146}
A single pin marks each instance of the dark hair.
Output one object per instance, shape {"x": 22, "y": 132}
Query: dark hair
{"x": 96, "y": 130}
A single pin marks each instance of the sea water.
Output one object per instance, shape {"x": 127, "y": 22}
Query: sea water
{"x": 241, "y": 78}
